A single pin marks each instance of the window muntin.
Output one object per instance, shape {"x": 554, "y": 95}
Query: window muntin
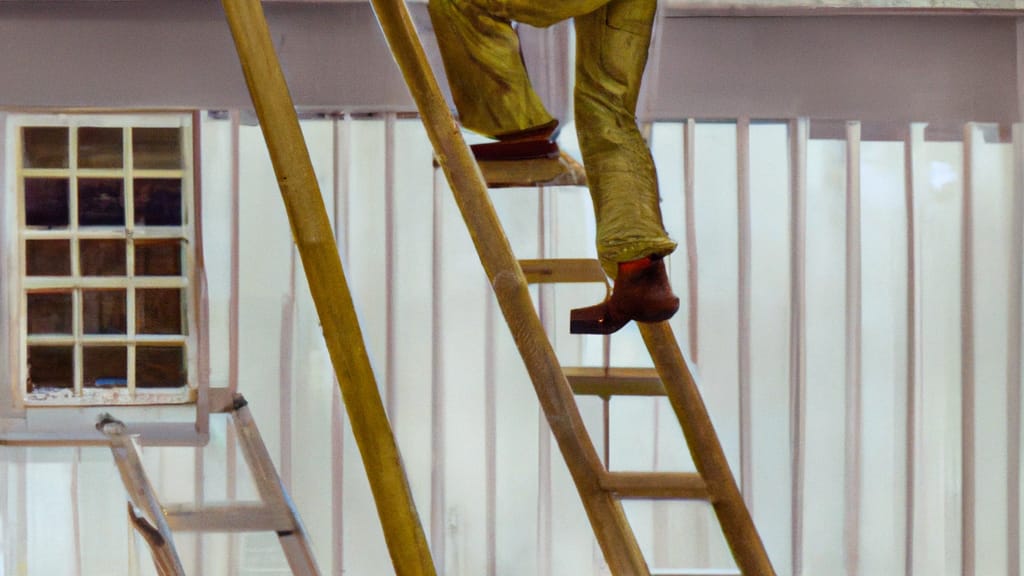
{"x": 104, "y": 270}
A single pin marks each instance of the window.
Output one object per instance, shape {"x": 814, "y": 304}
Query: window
{"x": 105, "y": 230}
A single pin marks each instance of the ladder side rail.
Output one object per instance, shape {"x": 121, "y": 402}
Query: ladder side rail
{"x": 314, "y": 237}
{"x": 161, "y": 549}
{"x": 294, "y": 540}
{"x": 142, "y": 495}
{"x": 614, "y": 535}
{"x": 738, "y": 527}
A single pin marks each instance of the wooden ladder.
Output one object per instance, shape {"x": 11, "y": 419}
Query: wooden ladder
{"x": 600, "y": 489}
{"x": 274, "y": 512}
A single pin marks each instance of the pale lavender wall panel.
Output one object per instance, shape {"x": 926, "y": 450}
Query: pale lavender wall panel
{"x": 824, "y": 479}
{"x": 938, "y": 504}
{"x": 180, "y": 54}
{"x": 992, "y": 211}
{"x": 770, "y": 261}
{"x": 864, "y": 68}
{"x": 884, "y": 276}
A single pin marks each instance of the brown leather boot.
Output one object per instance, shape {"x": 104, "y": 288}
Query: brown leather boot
{"x": 537, "y": 142}
{"x": 642, "y": 293}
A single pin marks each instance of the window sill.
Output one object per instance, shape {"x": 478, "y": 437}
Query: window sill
{"x": 111, "y": 397}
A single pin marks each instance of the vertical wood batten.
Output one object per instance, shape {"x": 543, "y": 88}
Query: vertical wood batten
{"x": 491, "y": 439}
{"x": 10, "y": 365}
{"x": 744, "y": 306}
{"x": 438, "y": 462}
{"x": 390, "y": 357}
{"x": 21, "y": 503}
{"x": 233, "y": 302}
{"x": 798, "y": 134}
{"x": 545, "y": 307}
{"x": 200, "y": 294}
{"x": 198, "y": 498}
{"x": 337, "y": 484}
{"x": 76, "y": 524}
{"x": 853, "y": 348}
{"x": 287, "y": 381}
{"x": 231, "y": 490}
{"x": 967, "y": 355}
{"x": 341, "y": 141}
{"x": 689, "y": 186}
{"x": 7, "y": 536}
{"x": 1013, "y": 372}
{"x": 853, "y": 383}
{"x": 913, "y": 441}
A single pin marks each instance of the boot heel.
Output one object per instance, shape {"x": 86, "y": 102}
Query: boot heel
{"x": 596, "y": 319}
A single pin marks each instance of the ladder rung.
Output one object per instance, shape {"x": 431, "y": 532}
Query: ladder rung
{"x": 656, "y": 485}
{"x": 238, "y": 517}
{"x": 697, "y": 572}
{"x": 562, "y": 270}
{"x": 608, "y": 382}
{"x": 562, "y": 170}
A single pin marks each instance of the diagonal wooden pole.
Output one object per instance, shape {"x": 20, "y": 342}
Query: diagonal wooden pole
{"x": 314, "y": 237}
{"x": 740, "y": 532}
{"x": 611, "y": 528}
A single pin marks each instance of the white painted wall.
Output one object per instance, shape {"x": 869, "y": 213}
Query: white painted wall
{"x": 491, "y": 489}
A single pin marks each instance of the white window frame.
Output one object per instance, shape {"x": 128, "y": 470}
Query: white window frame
{"x": 17, "y": 283}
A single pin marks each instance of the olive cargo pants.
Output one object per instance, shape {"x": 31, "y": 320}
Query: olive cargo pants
{"x": 494, "y": 97}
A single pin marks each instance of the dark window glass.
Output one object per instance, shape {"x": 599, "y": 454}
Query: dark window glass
{"x": 46, "y": 202}
{"x": 158, "y": 202}
{"x": 156, "y": 148}
{"x": 158, "y": 258}
{"x": 100, "y": 202}
{"x": 49, "y": 312}
{"x": 104, "y": 366}
{"x": 50, "y": 367}
{"x": 159, "y": 366}
{"x": 44, "y": 147}
{"x": 100, "y": 148}
{"x": 102, "y": 257}
{"x": 48, "y": 257}
{"x": 103, "y": 312}
{"x": 158, "y": 311}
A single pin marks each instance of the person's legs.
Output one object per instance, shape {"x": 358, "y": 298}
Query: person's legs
{"x": 611, "y": 52}
{"x": 481, "y": 55}
{"x": 485, "y": 70}
{"x": 612, "y": 44}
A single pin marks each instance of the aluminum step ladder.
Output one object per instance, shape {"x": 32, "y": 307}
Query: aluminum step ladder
{"x": 274, "y": 512}
{"x": 600, "y": 489}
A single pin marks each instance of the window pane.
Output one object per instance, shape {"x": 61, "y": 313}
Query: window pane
{"x": 46, "y": 202}
{"x": 159, "y": 366}
{"x": 44, "y": 147}
{"x": 104, "y": 366}
{"x": 100, "y": 202}
{"x": 50, "y": 367}
{"x": 100, "y": 148}
{"x": 158, "y": 311}
{"x": 49, "y": 312}
{"x": 158, "y": 202}
{"x": 102, "y": 257}
{"x": 158, "y": 258}
{"x": 156, "y": 148}
{"x": 48, "y": 257}
{"x": 103, "y": 312}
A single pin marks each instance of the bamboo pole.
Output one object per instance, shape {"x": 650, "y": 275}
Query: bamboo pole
{"x": 314, "y": 237}
{"x": 611, "y": 528}
{"x": 683, "y": 394}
